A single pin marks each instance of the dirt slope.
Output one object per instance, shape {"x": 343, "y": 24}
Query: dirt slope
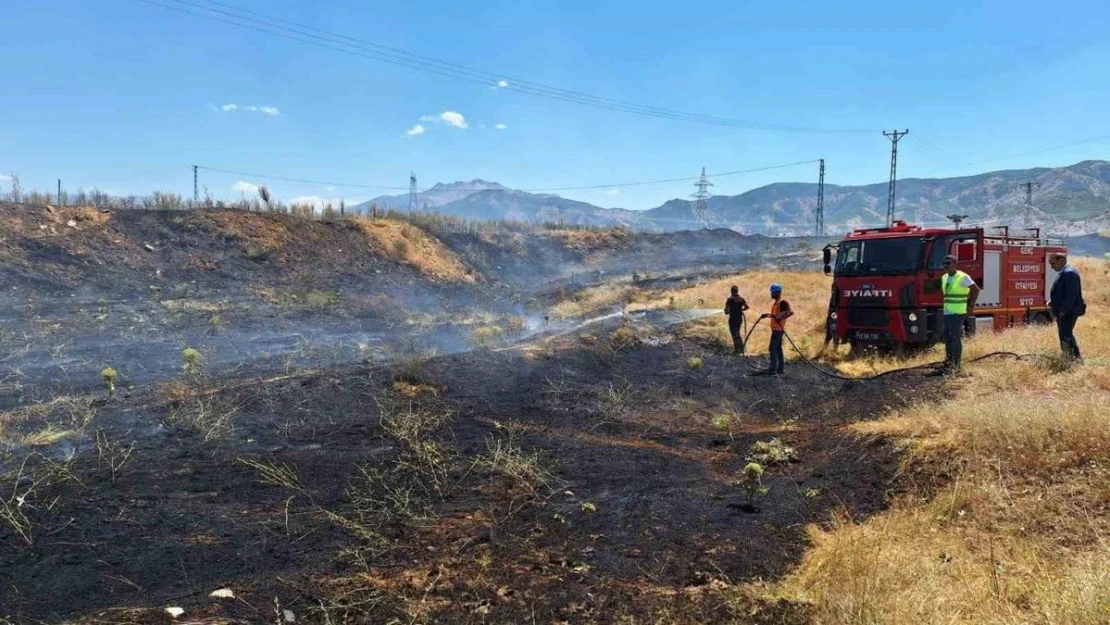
{"x": 589, "y": 479}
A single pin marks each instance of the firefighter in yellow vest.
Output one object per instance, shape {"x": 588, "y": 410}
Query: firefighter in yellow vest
{"x": 960, "y": 293}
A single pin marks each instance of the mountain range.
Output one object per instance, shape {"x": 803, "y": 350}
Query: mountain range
{"x": 1066, "y": 201}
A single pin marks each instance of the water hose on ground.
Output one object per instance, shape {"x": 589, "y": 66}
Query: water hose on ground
{"x": 930, "y": 365}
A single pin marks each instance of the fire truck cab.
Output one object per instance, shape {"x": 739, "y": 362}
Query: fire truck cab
{"x": 886, "y": 289}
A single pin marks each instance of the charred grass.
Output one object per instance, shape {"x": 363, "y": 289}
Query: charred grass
{"x": 571, "y": 484}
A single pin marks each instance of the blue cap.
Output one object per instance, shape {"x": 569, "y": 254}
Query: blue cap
{"x": 776, "y": 288}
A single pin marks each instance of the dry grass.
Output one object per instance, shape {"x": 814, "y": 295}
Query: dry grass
{"x": 1006, "y": 520}
{"x": 594, "y": 300}
{"x": 259, "y": 235}
{"x": 807, "y": 292}
{"x": 411, "y": 245}
{"x": 904, "y": 567}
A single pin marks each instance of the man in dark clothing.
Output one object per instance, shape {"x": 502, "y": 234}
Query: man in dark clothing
{"x": 1066, "y": 303}
{"x": 734, "y": 308}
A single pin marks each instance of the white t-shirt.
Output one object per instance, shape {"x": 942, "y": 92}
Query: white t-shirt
{"x": 965, "y": 280}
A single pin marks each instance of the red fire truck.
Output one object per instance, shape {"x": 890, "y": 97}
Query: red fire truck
{"x": 886, "y": 288}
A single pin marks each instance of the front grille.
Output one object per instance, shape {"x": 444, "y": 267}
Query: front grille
{"x": 866, "y": 312}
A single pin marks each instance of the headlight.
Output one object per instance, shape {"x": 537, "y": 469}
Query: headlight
{"x": 913, "y": 329}
{"x": 832, "y": 316}
{"x": 913, "y": 316}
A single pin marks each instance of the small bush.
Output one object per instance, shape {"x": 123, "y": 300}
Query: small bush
{"x": 623, "y": 337}
{"x": 723, "y": 421}
{"x": 401, "y": 248}
{"x": 321, "y": 300}
{"x": 772, "y": 452}
{"x": 259, "y": 254}
{"x": 751, "y": 482}
{"x": 192, "y": 362}
{"x": 109, "y": 376}
{"x": 695, "y": 362}
{"x": 515, "y": 325}
{"x": 486, "y": 337}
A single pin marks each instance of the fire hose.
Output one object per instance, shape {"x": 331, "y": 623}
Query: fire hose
{"x": 930, "y": 365}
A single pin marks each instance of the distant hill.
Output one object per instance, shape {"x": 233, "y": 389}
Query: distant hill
{"x": 434, "y": 197}
{"x": 1069, "y": 200}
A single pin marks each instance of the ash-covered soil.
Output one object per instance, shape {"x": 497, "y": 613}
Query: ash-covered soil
{"x": 85, "y": 289}
{"x": 587, "y": 478}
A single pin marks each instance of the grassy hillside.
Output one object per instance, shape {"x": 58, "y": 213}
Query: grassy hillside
{"x": 1001, "y": 511}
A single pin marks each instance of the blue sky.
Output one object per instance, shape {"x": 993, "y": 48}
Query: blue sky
{"x": 126, "y": 96}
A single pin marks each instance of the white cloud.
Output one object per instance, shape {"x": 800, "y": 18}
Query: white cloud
{"x": 416, "y": 130}
{"x": 612, "y": 192}
{"x": 315, "y": 201}
{"x": 451, "y": 118}
{"x": 5, "y": 178}
{"x": 502, "y": 83}
{"x": 231, "y": 107}
{"x": 501, "y": 126}
{"x": 245, "y": 187}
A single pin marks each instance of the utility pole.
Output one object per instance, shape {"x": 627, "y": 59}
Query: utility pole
{"x": 821, "y": 200}
{"x": 412, "y": 192}
{"x": 956, "y": 220}
{"x": 894, "y": 136}
{"x": 1028, "y": 186}
{"x": 196, "y": 195}
{"x": 701, "y": 200}
{"x": 59, "y": 198}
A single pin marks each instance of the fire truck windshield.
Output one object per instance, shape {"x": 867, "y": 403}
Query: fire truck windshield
{"x": 878, "y": 256}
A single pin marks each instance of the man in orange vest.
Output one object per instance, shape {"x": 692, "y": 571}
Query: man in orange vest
{"x": 780, "y": 312}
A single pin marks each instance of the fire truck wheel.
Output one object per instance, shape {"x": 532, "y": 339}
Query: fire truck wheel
{"x": 1041, "y": 319}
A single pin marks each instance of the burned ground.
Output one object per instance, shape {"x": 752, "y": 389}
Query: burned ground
{"x": 580, "y": 479}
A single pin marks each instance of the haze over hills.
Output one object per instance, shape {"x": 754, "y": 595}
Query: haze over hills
{"x": 1068, "y": 200}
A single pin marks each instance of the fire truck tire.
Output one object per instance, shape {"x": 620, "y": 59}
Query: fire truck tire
{"x": 856, "y": 349}
{"x": 1041, "y": 319}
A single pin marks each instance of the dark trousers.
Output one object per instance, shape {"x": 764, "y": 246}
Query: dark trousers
{"x": 1065, "y": 325}
{"x": 953, "y": 340}
{"x": 778, "y": 359}
{"x": 734, "y": 329}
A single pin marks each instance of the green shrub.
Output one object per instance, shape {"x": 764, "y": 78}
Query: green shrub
{"x": 192, "y": 362}
{"x": 109, "y": 376}
{"x": 751, "y": 482}
{"x": 321, "y": 300}
{"x": 772, "y": 452}
{"x": 695, "y": 362}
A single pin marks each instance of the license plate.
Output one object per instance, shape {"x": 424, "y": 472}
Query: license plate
{"x": 868, "y": 335}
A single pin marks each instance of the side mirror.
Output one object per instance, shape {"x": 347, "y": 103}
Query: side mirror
{"x": 827, "y": 257}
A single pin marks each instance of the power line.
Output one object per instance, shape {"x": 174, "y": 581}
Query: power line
{"x": 300, "y": 180}
{"x": 821, "y": 200}
{"x": 580, "y": 188}
{"x": 260, "y": 22}
{"x": 894, "y": 136}
{"x": 1029, "y": 186}
{"x": 667, "y": 180}
{"x": 701, "y": 200}
{"x": 1029, "y": 153}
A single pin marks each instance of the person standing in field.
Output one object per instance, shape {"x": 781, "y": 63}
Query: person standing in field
{"x": 780, "y": 312}
{"x": 734, "y": 308}
{"x": 1066, "y": 304}
{"x": 960, "y": 294}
